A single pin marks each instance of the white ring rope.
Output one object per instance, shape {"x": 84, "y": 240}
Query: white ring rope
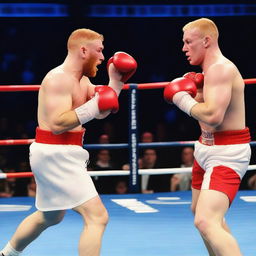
{"x": 141, "y": 172}
{"x": 151, "y": 171}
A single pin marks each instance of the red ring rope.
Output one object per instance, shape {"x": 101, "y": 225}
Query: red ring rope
{"x": 16, "y": 88}
{"x": 16, "y": 142}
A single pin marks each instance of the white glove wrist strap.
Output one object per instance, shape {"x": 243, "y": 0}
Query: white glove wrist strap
{"x": 88, "y": 110}
{"x": 184, "y": 101}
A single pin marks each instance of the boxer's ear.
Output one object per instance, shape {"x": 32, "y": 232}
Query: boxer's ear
{"x": 206, "y": 41}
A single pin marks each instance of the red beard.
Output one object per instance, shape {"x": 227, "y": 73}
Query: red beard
{"x": 90, "y": 68}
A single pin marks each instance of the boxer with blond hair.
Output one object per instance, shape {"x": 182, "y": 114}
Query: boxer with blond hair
{"x": 216, "y": 99}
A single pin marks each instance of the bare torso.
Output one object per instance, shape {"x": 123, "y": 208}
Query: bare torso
{"x": 60, "y": 92}
{"x": 224, "y": 86}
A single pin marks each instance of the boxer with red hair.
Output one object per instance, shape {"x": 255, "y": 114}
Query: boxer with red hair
{"x": 67, "y": 100}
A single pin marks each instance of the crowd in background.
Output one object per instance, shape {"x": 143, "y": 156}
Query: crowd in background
{"x": 16, "y": 159}
{"x": 25, "y": 59}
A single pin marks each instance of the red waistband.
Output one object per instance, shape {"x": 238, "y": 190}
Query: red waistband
{"x": 226, "y": 137}
{"x": 66, "y": 138}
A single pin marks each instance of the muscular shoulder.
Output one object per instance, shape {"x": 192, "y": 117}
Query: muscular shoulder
{"x": 222, "y": 71}
{"x": 58, "y": 81}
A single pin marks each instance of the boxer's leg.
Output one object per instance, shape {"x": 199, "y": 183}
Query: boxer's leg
{"x": 29, "y": 229}
{"x": 95, "y": 220}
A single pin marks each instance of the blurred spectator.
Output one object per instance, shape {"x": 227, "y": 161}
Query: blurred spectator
{"x": 103, "y": 161}
{"x": 7, "y": 186}
{"x": 103, "y": 184}
{"x": 21, "y": 184}
{"x": 161, "y": 132}
{"x": 108, "y": 128}
{"x": 4, "y": 189}
{"x": 31, "y": 187}
{"x": 148, "y": 161}
{"x": 249, "y": 181}
{"x": 153, "y": 183}
{"x": 147, "y": 137}
{"x": 104, "y": 139}
{"x": 182, "y": 181}
{"x": 121, "y": 186}
{"x": 126, "y": 167}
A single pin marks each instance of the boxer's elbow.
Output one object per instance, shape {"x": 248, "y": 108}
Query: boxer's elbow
{"x": 57, "y": 129}
{"x": 214, "y": 119}
{"x": 209, "y": 115}
{"x": 61, "y": 125}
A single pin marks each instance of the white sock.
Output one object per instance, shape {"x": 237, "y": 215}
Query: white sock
{"x": 10, "y": 251}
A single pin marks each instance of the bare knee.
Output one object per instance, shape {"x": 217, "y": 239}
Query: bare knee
{"x": 98, "y": 218}
{"x": 95, "y": 214}
{"x": 202, "y": 224}
{"x": 104, "y": 217}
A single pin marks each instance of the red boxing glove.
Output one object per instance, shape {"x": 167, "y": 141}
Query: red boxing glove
{"x": 124, "y": 63}
{"x": 198, "y": 78}
{"x": 180, "y": 84}
{"x": 108, "y": 99}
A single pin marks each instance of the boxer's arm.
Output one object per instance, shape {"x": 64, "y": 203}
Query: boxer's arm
{"x": 121, "y": 67}
{"x": 217, "y": 96}
{"x": 199, "y": 95}
{"x": 57, "y": 104}
{"x": 90, "y": 95}
{"x": 198, "y": 78}
{"x": 115, "y": 79}
{"x": 181, "y": 91}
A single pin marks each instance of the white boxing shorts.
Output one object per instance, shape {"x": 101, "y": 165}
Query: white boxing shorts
{"x": 59, "y": 164}
{"x": 221, "y": 160}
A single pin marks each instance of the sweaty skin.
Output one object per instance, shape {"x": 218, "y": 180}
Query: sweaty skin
{"x": 219, "y": 107}
{"x": 65, "y": 88}
{"x": 221, "y": 100}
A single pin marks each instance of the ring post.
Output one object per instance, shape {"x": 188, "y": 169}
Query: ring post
{"x": 133, "y": 140}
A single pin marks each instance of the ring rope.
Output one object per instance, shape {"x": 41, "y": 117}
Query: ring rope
{"x": 117, "y": 172}
{"x": 14, "y": 142}
{"x": 16, "y": 88}
{"x": 134, "y": 171}
{"x": 9, "y": 142}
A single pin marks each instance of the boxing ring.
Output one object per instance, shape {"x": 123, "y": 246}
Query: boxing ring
{"x": 140, "y": 224}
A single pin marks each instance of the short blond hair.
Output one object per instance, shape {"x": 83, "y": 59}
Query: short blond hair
{"x": 81, "y": 36}
{"x": 205, "y": 26}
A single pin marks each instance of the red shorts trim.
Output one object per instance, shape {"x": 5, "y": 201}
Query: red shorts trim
{"x": 197, "y": 175}
{"x": 66, "y": 138}
{"x": 226, "y": 180}
{"x": 223, "y": 179}
{"x": 226, "y": 137}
